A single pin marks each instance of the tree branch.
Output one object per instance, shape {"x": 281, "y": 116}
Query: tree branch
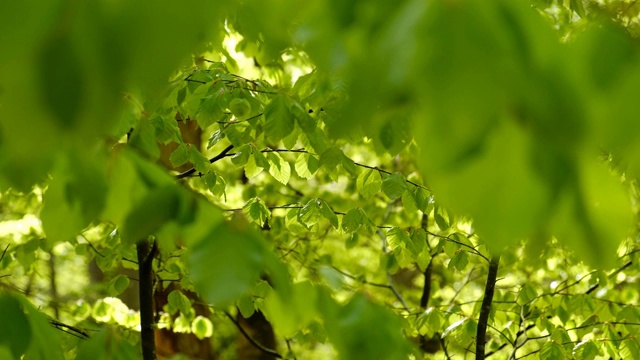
{"x": 485, "y": 310}
{"x": 223, "y": 154}
{"x": 252, "y": 340}
{"x": 4, "y": 252}
{"x": 146, "y": 253}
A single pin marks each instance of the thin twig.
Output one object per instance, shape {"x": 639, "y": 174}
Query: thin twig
{"x": 252, "y": 340}
{"x": 221, "y": 155}
{"x": 91, "y": 246}
{"x": 4, "y": 252}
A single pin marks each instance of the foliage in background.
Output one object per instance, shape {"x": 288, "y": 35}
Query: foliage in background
{"x": 359, "y": 164}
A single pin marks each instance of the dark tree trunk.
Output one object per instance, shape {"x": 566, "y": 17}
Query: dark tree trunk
{"x": 485, "y": 310}
{"x": 146, "y": 253}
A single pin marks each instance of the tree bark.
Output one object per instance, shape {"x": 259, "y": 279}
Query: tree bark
{"x": 485, "y": 310}
{"x": 146, "y": 253}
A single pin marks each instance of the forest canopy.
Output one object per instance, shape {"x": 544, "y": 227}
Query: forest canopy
{"x": 322, "y": 179}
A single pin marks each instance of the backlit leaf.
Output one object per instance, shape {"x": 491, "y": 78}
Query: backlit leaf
{"x": 279, "y": 122}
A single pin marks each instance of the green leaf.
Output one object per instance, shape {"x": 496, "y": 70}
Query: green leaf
{"x": 15, "y": 331}
{"x": 310, "y": 213}
{"x": 62, "y": 90}
{"x": 409, "y": 202}
{"x": 166, "y": 129}
{"x": 527, "y": 294}
{"x": 242, "y": 155}
{"x": 179, "y": 301}
{"x": 459, "y": 261}
{"x": 306, "y": 166}
{"x": 349, "y": 165}
{"x": 454, "y": 327}
{"x": 374, "y": 334}
{"x": 159, "y": 206}
{"x": 227, "y": 263}
{"x": 199, "y": 161}
{"x": 279, "y": 122}
{"x": 331, "y": 158}
{"x": 209, "y": 111}
{"x": 369, "y": 183}
{"x": 202, "y": 327}
{"x": 328, "y": 213}
{"x": 397, "y": 237}
{"x": 210, "y": 179}
{"x": 257, "y": 211}
{"x": 552, "y": 351}
{"x": 355, "y": 219}
{"x": 180, "y": 155}
{"x": 246, "y": 306}
{"x": 279, "y": 168}
{"x": 219, "y": 189}
{"x": 578, "y": 7}
{"x": 586, "y": 350}
{"x": 441, "y": 222}
{"x": 107, "y": 344}
{"x": 215, "y": 138}
{"x": 118, "y": 284}
{"x": 251, "y": 169}
{"x": 394, "y": 185}
{"x": 292, "y": 312}
{"x": 240, "y": 108}
{"x": 430, "y": 322}
{"x": 261, "y": 160}
{"x": 45, "y": 340}
{"x": 75, "y": 197}
{"x": 629, "y": 349}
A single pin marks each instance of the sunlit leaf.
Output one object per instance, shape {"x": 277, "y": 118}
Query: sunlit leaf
{"x": 279, "y": 122}
{"x": 394, "y": 186}
{"x": 279, "y": 168}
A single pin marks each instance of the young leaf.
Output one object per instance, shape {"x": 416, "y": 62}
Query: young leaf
{"x": 261, "y": 160}
{"x": 279, "y": 168}
{"x": 552, "y": 351}
{"x": 279, "y": 122}
{"x": 331, "y": 158}
{"x": 369, "y": 183}
{"x": 409, "y": 202}
{"x": 353, "y": 220}
{"x": 459, "y": 261}
{"x": 527, "y": 294}
{"x": 200, "y": 162}
{"x": 306, "y": 166}
{"x": 202, "y": 327}
{"x": 310, "y": 213}
{"x": 394, "y": 186}
{"x": 441, "y": 222}
{"x": 257, "y": 211}
{"x": 586, "y": 350}
{"x": 328, "y": 213}
{"x": 180, "y": 155}
{"x": 118, "y": 284}
{"x": 397, "y": 237}
{"x": 242, "y": 155}
{"x": 179, "y": 301}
